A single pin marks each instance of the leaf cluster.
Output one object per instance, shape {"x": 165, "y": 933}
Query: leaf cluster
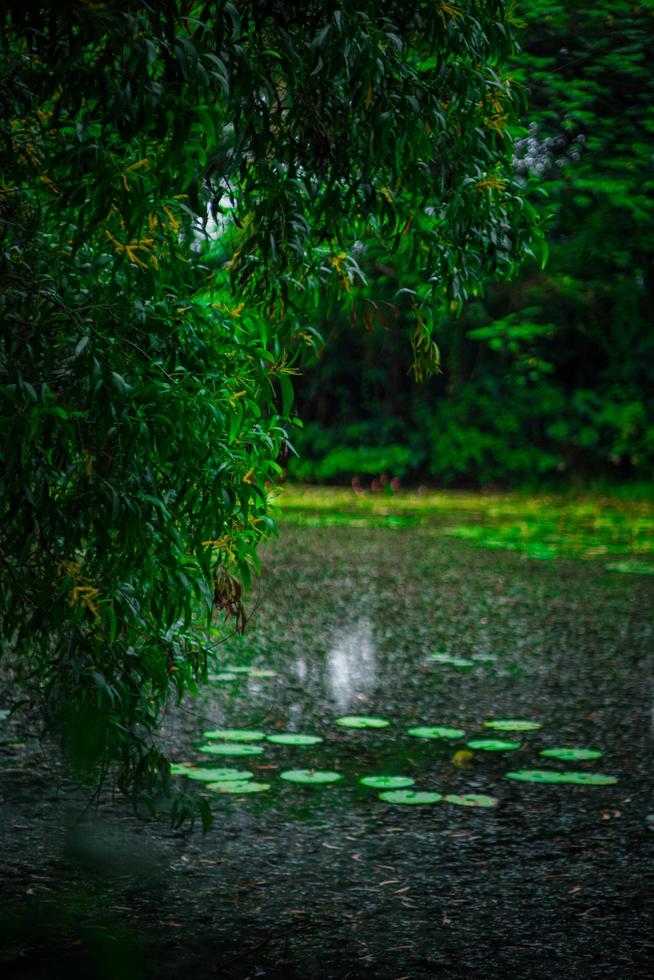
{"x": 183, "y": 186}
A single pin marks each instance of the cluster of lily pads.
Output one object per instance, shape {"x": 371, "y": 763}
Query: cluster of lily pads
{"x": 240, "y": 742}
{"x": 552, "y": 539}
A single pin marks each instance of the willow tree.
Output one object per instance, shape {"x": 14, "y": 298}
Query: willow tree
{"x": 182, "y": 185}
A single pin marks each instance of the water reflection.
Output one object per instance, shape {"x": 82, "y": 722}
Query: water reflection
{"x": 351, "y": 667}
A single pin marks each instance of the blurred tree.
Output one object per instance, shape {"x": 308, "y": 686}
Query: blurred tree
{"x": 183, "y": 186}
{"x": 553, "y": 372}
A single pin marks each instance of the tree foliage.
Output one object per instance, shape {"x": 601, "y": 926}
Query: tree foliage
{"x": 184, "y": 185}
{"x": 552, "y": 373}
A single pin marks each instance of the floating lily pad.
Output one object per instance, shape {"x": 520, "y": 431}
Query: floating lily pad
{"x": 492, "y": 744}
{"x": 310, "y": 776}
{"x": 239, "y": 786}
{"x": 289, "y": 738}
{"x": 572, "y": 755}
{"x": 362, "y": 721}
{"x": 550, "y": 776}
{"x": 387, "y": 782}
{"x": 218, "y": 775}
{"x": 230, "y": 748}
{"x": 235, "y": 734}
{"x": 409, "y": 797}
{"x": 512, "y": 725}
{"x": 536, "y": 776}
{"x": 631, "y": 567}
{"x": 471, "y": 799}
{"x": 178, "y": 769}
{"x": 589, "y": 779}
{"x": 445, "y": 658}
{"x": 436, "y": 731}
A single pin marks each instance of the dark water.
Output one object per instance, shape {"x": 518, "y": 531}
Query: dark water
{"x": 331, "y": 882}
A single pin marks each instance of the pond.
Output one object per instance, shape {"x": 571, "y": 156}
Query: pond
{"x": 404, "y": 651}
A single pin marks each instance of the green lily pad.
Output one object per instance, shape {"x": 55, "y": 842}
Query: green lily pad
{"x": 571, "y": 755}
{"x": 492, "y": 744}
{"x": 512, "y": 725}
{"x": 362, "y": 721}
{"x": 536, "y": 776}
{"x": 239, "y": 786}
{"x": 387, "y": 782}
{"x": 235, "y": 734}
{"x": 289, "y": 738}
{"x": 436, "y": 731}
{"x": 471, "y": 799}
{"x": 230, "y": 748}
{"x": 589, "y": 779}
{"x": 631, "y": 567}
{"x": 550, "y": 776}
{"x": 409, "y": 797}
{"x": 445, "y": 658}
{"x": 178, "y": 769}
{"x": 218, "y": 775}
{"x": 310, "y": 776}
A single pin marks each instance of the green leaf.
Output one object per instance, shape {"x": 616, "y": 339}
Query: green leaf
{"x": 387, "y": 782}
{"x": 436, "y": 731}
{"x": 290, "y": 738}
{"x": 410, "y": 797}
{"x": 362, "y": 721}
{"x": 492, "y": 744}
{"x": 310, "y": 776}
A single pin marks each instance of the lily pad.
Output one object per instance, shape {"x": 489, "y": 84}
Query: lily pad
{"x": 550, "y": 776}
{"x": 572, "y": 755}
{"x": 239, "y": 786}
{"x": 493, "y": 744}
{"x": 445, "y": 658}
{"x": 289, "y": 738}
{"x": 235, "y": 734}
{"x": 230, "y": 748}
{"x": 589, "y": 779}
{"x": 512, "y": 725}
{"x": 362, "y": 721}
{"x": 387, "y": 782}
{"x": 471, "y": 799}
{"x": 217, "y": 775}
{"x": 310, "y": 776}
{"x": 178, "y": 769}
{"x": 631, "y": 567}
{"x": 436, "y": 731}
{"x": 409, "y": 797}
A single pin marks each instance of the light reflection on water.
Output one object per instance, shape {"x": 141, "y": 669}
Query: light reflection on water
{"x": 351, "y": 667}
